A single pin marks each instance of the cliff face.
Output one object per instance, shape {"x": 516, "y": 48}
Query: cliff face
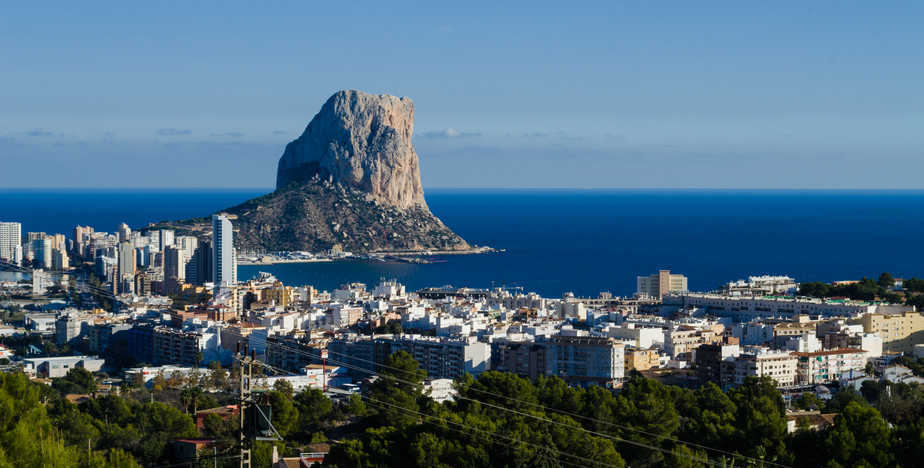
{"x": 352, "y": 178}
{"x": 362, "y": 141}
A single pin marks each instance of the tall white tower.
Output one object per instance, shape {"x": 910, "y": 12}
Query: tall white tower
{"x": 10, "y": 237}
{"x": 223, "y": 258}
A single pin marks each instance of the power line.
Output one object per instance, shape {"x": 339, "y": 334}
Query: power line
{"x": 568, "y": 413}
{"x": 539, "y": 418}
{"x": 563, "y": 412}
{"x": 381, "y": 404}
{"x": 599, "y": 434}
{"x": 586, "y": 418}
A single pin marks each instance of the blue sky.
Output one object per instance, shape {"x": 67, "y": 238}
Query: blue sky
{"x": 609, "y": 94}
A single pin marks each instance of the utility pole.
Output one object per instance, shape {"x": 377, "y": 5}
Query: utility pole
{"x": 324, "y": 369}
{"x": 245, "y": 375}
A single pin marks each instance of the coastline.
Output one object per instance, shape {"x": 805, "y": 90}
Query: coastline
{"x": 429, "y": 253}
{"x": 406, "y": 256}
{"x": 286, "y": 260}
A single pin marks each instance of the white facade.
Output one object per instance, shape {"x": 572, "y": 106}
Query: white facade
{"x": 780, "y": 366}
{"x": 804, "y": 343}
{"x": 748, "y": 308}
{"x": 53, "y": 367}
{"x": 10, "y": 238}
{"x": 40, "y": 282}
{"x": 872, "y": 344}
{"x": 641, "y": 337}
{"x": 224, "y": 264}
{"x": 827, "y": 366}
{"x": 126, "y": 260}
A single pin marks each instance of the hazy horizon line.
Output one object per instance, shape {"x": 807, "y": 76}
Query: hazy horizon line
{"x": 498, "y": 188}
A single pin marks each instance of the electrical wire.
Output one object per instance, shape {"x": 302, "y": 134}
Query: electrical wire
{"x": 563, "y": 412}
{"x": 382, "y": 404}
{"x": 611, "y": 437}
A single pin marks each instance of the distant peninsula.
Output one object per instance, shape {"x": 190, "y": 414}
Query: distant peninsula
{"x": 352, "y": 179}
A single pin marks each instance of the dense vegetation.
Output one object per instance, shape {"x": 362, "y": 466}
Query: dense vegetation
{"x": 498, "y": 419}
{"x": 868, "y": 290}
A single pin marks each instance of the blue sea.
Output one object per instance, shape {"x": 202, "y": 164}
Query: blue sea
{"x": 582, "y": 241}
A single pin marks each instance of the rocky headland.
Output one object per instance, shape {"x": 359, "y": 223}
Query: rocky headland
{"x": 351, "y": 179}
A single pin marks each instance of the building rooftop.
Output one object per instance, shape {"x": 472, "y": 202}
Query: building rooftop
{"x": 828, "y": 352}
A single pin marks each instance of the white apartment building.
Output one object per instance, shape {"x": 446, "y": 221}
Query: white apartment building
{"x": 224, "y": 260}
{"x": 585, "y": 360}
{"x": 761, "y": 285}
{"x": 827, "y": 366}
{"x": 781, "y": 366}
{"x": 639, "y": 337}
{"x": 10, "y": 238}
{"x": 744, "y": 309}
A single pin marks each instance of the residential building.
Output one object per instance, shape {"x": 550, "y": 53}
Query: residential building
{"x": 709, "y": 360}
{"x": 10, "y": 238}
{"x": 441, "y": 357}
{"x": 760, "y": 286}
{"x": 166, "y": 239}
{"x": 40, "y": 282}
{"x": 637, "y": 336}
{"x": 869, "y": 342}
{"x": 641, "y": 359}
{"x": 797, "y": 328}
{"x": 224, "y": 262}
{"x": 585, "y": 360}
{"x": 660, "y": 284}
{"x": 199, "y": 268}
{"x": 781, "y": 366}
{"x": 125, "y": 233}
{"x": 826, "y": 366}
{"x": 174, "y": 263}
{"x": 744, "y": 309}
{"x": 42, "y": 250}
{"x": 445, "y": 358}
{"x": 60, "y": 260}
{"x": 684, "y": 339}
{"x": 100, "y": 337}
{"x": 70, "y": 327}
{"x": 172, "y": 346}
{"x": 899, "y": 332}
{"x": 126, "y": 260}
{"x": 524, "y": 358}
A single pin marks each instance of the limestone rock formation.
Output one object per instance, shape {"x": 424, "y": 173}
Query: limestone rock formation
{"x": 351, "y": 179}
{"x": 362, "y": 141}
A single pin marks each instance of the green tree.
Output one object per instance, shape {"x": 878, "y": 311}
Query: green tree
{"x": 284, "y": 414}
{"x": 808, "y": 401}
{"x": 191, "y": 397}
{"x": 886, "y": 280}
{"x": 313, "y": 409}
{"x": 761, "y": 419}
{"x": 396, "y": 391}
{"x": 860, "y": 437}
{"x": 160, "y": 423}
{"x": 218, "y": 377}
{"x": 285, "y": 388}
{"x": 77, "y": 380}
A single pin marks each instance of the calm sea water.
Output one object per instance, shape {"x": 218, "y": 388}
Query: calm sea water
{"x": 580, "y": 241}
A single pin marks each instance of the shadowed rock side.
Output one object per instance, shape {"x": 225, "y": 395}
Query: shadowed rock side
{"x": 317, "y": 214}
